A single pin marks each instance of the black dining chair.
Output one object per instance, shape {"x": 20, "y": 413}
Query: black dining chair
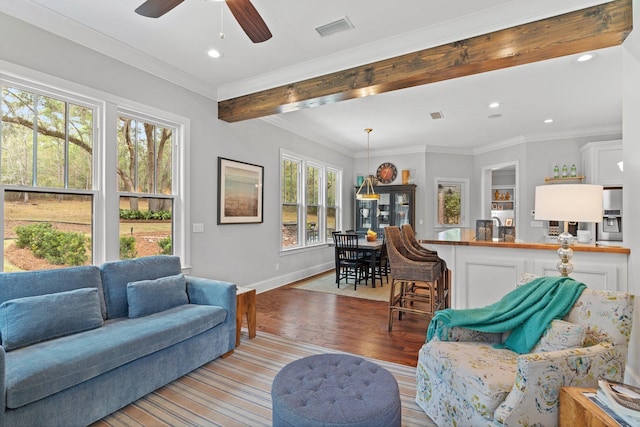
{"x": 350, "y": 262}
{"x": 381, "y": 266}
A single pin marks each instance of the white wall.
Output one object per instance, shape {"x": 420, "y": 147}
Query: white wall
{"x": 631, "y": 150}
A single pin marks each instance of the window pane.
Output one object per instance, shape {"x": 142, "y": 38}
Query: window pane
{"x": 146, "y": 227}
{"x": 17, "y": 137}
{"x": 46, "y": 230}
{"x": 289, "y": 225}
{"x": 62, "y": 155}
{"x": 449, "y": 203}
{"x": 313, "y": 186}
{"x": 331, "y": 216}
{"x": 331, "y": 222}
{"x": 289, "y": 181}
{"x": 80, "y": 147}
{"x": 144, "y": 157}
{"x": 312, "y": 224}
{"x": 51, "y": 156}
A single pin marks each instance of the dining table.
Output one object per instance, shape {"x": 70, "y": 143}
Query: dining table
{"x": 371, "y": 248}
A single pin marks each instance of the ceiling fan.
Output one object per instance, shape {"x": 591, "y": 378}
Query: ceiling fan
{"x": 244, "y": 12}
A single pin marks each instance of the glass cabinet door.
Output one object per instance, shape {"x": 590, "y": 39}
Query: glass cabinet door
{"x": 365, "y": 215}
{"x": 402, "y": 208}
{"x": 384, "y": 212}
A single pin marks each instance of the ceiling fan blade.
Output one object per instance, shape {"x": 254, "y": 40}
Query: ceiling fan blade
{"x": 156, "y": 8}
{"x": 250, "y": 20}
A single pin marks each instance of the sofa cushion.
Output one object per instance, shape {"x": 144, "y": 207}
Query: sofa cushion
{"x": 478, "y": 372}
{"x": 29, "y": 320}
{"x": 31, "y": 283}
{"x": 43, "y": 369}
{"x": 560, "y": 335}
{"x": 152, "y": 296}
{"x": 117, "y": 274}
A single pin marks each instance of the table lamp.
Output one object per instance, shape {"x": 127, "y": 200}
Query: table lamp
{"x": 568, "y": 203}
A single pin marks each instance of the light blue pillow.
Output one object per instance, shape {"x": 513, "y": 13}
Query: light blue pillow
{"x": 152, "y": 296}
{"x": 29, "y": 320}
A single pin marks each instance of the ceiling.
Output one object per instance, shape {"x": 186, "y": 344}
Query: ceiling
{"x": 584, "y": 99}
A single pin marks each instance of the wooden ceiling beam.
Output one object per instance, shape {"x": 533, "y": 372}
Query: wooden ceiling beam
{"x": 588, "y": 29}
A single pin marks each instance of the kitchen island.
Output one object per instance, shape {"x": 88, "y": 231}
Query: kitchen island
{"x": 483, "y": 271}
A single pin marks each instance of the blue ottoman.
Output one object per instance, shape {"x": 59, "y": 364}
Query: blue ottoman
{"x": 335, "y": 390}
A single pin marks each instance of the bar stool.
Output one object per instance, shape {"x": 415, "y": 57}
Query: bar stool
{"x": 415, "y": 280}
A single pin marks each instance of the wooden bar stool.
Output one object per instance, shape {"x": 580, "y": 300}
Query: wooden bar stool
{"x": 245, "y": 305}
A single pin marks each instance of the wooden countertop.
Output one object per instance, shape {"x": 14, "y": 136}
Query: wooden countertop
{"x": 466, "y": 237}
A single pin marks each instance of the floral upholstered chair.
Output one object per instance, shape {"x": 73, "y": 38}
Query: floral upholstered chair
{"x": 466, "y": 381}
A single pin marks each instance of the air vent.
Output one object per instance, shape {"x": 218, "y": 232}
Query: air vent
{"x": 437, "y": 115}
{"x": 341, "y": 24}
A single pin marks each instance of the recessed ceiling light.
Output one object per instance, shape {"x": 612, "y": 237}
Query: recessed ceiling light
{"x": 586, "y": 57}
{"x": 494, "y": 105}
{"x": 214, "y": 53}
{"x": 548, "y": 121}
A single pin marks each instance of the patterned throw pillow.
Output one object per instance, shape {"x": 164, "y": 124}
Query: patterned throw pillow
{"x": 560, "y": 335}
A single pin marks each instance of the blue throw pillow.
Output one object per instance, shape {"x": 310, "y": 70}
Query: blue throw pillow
{"x": 29, "y": 320}
{"x": 152, "y": 296}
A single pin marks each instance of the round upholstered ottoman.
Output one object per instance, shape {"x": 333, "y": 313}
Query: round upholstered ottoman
{"x": 335, "y": 390}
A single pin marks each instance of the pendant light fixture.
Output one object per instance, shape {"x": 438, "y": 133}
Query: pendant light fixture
{"x": 370, "y": 181}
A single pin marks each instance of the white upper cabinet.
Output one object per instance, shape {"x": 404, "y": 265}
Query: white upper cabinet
{"x": 602, "y": 163}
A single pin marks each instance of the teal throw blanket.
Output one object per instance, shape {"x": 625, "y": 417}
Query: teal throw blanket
{"x": 526, "y": 311}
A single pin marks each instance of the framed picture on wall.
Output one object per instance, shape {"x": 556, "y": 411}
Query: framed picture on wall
{"x": 508, "y": 222}
{"x": 240, "y": 192}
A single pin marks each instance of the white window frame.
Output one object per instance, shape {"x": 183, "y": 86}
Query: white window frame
{"x": 106, "y": 221}
{"x": 177, "y": 239}
{"x": 305, "y": 161}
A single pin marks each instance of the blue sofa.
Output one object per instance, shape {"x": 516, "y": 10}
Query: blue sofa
{"x": 80, "y": 343}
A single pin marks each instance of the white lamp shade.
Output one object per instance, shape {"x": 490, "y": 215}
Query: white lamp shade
{"x": 569, "y": 202}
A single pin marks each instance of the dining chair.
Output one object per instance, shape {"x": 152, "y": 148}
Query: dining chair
{"x": 335, "y": 252}
{"x": 381, "y": 266}
{"x": 350, "y": 261}
{"x": 414, "y": 279}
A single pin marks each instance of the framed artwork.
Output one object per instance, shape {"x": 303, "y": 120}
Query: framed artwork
{"x": 508, "y": 222}
{"x": 240, "y": 192}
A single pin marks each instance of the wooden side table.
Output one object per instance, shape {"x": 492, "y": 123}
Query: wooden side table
{"x": 245, "y": 305}
{"x": 575, "y": 409}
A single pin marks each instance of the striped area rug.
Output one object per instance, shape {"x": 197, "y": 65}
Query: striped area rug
{"x": 236, "y": 391}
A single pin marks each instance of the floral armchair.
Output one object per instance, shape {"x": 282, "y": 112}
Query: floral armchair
{"x": 465, "y": 381}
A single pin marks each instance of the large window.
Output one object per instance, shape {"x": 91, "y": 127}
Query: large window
{"x": 54, "y": 152}
{"x": 47, "y": 145}
{"x": 145, "y": 176}
{"x": 310, "y": 200}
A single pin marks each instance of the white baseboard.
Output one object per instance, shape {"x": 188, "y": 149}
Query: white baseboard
{"x": 294, "y": 276}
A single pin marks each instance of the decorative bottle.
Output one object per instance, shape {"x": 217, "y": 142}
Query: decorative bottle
{"x": 556, "y": 171}
{"x": 573, "y": 170}
{"x": 564, "y": 171}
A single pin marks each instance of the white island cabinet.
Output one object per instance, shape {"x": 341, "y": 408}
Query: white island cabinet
{"x": 483, "y": 272}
